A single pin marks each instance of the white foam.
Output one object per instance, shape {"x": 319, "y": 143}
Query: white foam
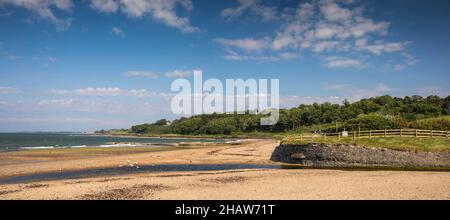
{"x": 118, "y": 145}
{"x": 37, "y": 147}
{"x": 79, "y": 146}
{"x": 51, "y": 147}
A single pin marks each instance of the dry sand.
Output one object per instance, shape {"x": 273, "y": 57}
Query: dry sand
{"x": 221, "y": 184}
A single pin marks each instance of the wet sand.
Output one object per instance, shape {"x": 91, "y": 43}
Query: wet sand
{"x": 226, "y": 177}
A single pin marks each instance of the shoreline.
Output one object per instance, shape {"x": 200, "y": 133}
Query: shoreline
{"x": 242, "y": 171}
{"x": 51, "y": 160}
{"x": 131, "y": 143}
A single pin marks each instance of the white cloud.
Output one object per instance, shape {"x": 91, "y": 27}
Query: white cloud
{"x": 333, "y": 12}
{"x": 348, "y": 2}
{"x": 291, "y": 36}
{"x": 64, "y": 4}
{"x": 354, "y": 93}
{"x": 323, "y": 26}
{"x": 52, "y": 59}
{"x": 339, "y": 62}
{"x": 106, "y": 6}
{"x": 247, "y": 44}
{"x": 9, "y": 90}
{"x": 283, "y": 40}
{"x": 409, "y": 61}
{"x": 136, "y": 8}
{"x": 53, "y": 119}
{"x": 102, "y": 108}
{"x": 55, "y": 102}
{"x": 81, "y": 105}
{"x": 365, "y": 26}
{"x": 109, "y": 91}
{"x": 399, "y": 67}
{"x": 255, "y": 7}
{"x": 44, "y": 10}
{"x": 383, "y": 88}
{"x": 99, "y": 91}
{"x": 140, "y": 73}
{"x": 164, "y": 11}
{"x": 305, "y": 11}
{"x": 59, "y": 92}
{"x": 361, "y": 42}
{"x": 119, "y": 32}
{"x": 151, "y": 75}
{"x": 5, "y": 104}
{"x": 325, "y": 46}
{"x": 326, "y": 31}
{"x": 379, "y": 48}
{"x": 434, "y": 90}
{"x": 288, "y": 56}
{"x": 179, "y": 73}
{"x": 234, "y": 56}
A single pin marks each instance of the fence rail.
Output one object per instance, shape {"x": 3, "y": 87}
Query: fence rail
{"x": 419, "y": 133}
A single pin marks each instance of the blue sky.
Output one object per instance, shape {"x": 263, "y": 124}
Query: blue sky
{"x": 86, "y": 65}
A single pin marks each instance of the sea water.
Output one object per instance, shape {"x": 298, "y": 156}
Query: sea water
{"x": 30, "y": 141}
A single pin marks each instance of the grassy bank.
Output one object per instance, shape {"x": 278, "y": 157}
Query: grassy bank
{"x": 398, "y": 143}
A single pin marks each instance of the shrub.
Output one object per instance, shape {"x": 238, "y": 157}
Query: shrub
{"x": 439, "y": 123}
{"x": 375, "y": 121}
{"x": 219, "y": 126}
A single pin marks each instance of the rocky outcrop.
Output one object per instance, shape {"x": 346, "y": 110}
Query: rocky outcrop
{"x": 344, "y": 155}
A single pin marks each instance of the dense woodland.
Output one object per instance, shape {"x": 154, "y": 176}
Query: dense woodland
{"x": 383, "y": 112}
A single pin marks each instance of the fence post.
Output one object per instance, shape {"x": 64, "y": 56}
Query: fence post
{"x": 431, "y": 133}
{"x": 385, "y": 132}
{"x": 446, "y": 135}
{"x": 301, "y": 136}
{"x": 370, "y": 134}
{"x": 354, "y": 135}
{"x": 339, "y": 136}
{"x": 325, "y": 136}
{"x": 416, "y": 132}
{"x": 401, "y": 132}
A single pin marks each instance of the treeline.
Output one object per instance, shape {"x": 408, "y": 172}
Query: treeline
{"x": 383, "y": 112}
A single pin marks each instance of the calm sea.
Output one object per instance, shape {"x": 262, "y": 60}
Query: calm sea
{"x": 18, "y": 141}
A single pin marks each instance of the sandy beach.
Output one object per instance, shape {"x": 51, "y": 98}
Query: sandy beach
{"x": 220, "y": 173}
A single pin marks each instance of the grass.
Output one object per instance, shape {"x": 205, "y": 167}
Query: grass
{"x": 438, "y": 123}
{"x": 399, "y": 143}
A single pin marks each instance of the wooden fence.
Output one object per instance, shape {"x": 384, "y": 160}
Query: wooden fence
{"x": 376, "y": 133}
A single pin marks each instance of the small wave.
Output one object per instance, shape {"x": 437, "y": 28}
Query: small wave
{"x": 79, "y": 146}
{"x": 118, "y": 145}
{"x": 51, "y": 147}
{"x": 233, "y": 142}
{"x": 37, "y": 147}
